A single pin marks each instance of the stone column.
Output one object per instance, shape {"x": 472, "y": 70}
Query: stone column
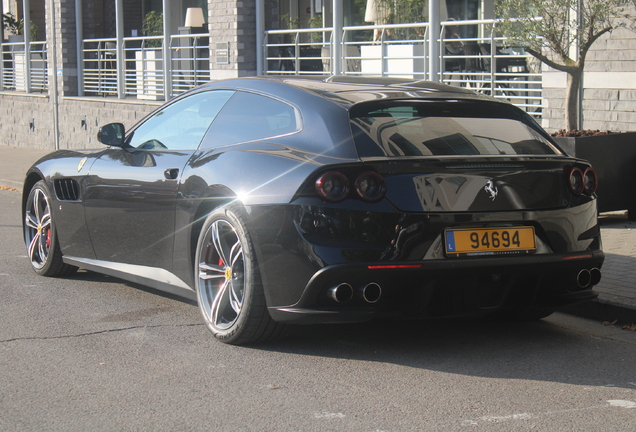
{"x": 232, "y": 26}
{"x": 64, "y": 67}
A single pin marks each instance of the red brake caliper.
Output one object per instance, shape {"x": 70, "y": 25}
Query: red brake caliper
{"x": 48, "y": 238}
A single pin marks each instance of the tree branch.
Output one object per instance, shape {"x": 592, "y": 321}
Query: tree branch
{"x": 585, "y": 47}
{"x": 549, "y": 62}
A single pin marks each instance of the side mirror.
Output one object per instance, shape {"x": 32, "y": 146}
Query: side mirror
{"x": 112, "y": 134}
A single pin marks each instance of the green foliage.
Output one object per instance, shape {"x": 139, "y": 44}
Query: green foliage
{"x": 16, "y": 27}
{"x": 402, "y": 12}
{"x": 153, "y": 26}
{"x": 560, "y": 31}
{"x": 289, "y": 23}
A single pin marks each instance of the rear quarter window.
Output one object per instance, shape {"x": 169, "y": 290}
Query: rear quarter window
{"x": 250, "y": 117}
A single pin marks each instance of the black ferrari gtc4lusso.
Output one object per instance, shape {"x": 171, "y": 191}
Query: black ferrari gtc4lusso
{"x": 311, "y": 200}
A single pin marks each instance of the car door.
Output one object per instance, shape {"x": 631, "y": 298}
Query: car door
{"x": 131, "y": 192}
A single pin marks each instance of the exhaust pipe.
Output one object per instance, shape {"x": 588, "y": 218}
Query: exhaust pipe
{"x": 341, "y": 293}
{"x": 584, "y": 278}
{"x": 371, "y": 292}
{"x": 596, "y": 276}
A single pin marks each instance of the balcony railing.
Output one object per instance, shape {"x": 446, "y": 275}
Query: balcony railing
{"x": 140, "y": 68}
{"x": 136, "y": 67}
{"x": 485, "y": 64}
{"x": 20, "y": 74}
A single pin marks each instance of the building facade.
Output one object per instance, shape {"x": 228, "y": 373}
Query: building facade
{"x": 93, "y": 62}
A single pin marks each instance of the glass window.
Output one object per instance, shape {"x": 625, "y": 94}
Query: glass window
{"x": 181, "y": 125}
{"x": 445, "y": 128}
{"x": 249, "y": 117}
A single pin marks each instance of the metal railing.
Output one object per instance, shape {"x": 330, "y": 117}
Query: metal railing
{"x": 401, "y": 50}
{"x": 489, "y": 65}
{"x": 19, "y": 75}
{"x": 139, "y": 69}
{"x": 298, "y": 52}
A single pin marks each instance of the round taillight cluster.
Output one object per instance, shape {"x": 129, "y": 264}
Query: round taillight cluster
{"x": 581, "y": 181}
{"x": 334, "y": 186}
{"x": 370, "y": 186}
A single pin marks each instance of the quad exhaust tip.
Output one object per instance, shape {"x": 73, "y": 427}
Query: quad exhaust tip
{"x": 596, "y": 276}
{"x": 587, "y": 278}
{"x": 584, "y": 278}
{"x": 344, "y": 292}
{"x": 341, "y": 293}
{"x": 371, "y": 292}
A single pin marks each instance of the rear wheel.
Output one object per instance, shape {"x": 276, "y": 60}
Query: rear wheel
{"x": 40, "y": 236}
{"x": 229, "y": 289}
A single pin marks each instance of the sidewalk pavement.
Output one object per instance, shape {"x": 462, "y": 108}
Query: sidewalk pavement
{"x": 617, "y": 289}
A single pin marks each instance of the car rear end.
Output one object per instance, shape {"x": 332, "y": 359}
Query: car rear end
{"x": 458, "y": 207}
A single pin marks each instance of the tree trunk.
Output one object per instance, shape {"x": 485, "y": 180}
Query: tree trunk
{"x": 572, "y": 99}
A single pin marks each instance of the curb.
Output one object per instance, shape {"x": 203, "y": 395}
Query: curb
{"x": 602, "y": 311}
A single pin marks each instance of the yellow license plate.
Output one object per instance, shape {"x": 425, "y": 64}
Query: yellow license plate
{"x": 490, "y": 241}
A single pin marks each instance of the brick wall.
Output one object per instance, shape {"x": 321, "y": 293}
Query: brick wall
{"x": 17, "y": 111}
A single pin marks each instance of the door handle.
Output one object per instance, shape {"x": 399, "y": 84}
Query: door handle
{"x": 171, "y": 173}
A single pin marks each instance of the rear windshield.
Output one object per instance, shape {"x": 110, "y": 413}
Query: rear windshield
{"x": 445, "y": 128}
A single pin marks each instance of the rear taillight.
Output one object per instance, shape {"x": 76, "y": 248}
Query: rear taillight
{"x": 581, "y": 181}
{"x": 590, "y": 181}
{"x": 332, "y": 186}
{"x": 335, "y": 186}
{"x": 370, "y": 186}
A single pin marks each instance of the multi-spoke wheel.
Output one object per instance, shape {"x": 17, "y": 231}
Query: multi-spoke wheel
{"x": 229, "y": 289}
{"x": 40, "y": 237}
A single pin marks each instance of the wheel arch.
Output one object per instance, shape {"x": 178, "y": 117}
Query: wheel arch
{"x": 213, "y": 199}
{"x": 32, "y": 178}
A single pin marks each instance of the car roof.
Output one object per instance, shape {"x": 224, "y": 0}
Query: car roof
{"x": 349, "y": 90}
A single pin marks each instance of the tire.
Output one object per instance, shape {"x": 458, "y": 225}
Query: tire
{"x": 229, "y": 289}
{"x": 43, "y": 247}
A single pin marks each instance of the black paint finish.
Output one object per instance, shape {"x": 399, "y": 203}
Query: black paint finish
{"x": 139, "y": 212}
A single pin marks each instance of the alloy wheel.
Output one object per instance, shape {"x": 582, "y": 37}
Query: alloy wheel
{"x": 221, "y": 275}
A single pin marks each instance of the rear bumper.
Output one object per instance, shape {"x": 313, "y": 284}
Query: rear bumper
{"x": 444, "y": 287}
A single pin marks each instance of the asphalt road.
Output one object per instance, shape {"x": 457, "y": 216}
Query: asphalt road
{"x": 95, "y": 353}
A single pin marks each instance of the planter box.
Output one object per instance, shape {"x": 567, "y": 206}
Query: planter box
{"x": 398, "y": 60}
{"x": 614, "y": 159}
{"x": 149, "y": 74}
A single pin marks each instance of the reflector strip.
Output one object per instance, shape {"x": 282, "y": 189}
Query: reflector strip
{"x": 574, "y": 257}
{"x": 400, "y": 266}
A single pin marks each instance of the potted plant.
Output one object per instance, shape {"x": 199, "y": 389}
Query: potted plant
{"x": 613, "y": 156}
{"x": 149, "y": 59}
{"x": 15, "y": 28}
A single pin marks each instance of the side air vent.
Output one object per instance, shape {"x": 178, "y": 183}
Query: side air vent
{"x": 66, "y": 189}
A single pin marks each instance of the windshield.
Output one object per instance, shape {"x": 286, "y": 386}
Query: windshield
{"x": 446, "y": 128}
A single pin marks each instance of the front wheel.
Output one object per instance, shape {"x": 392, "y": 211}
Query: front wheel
{"x": 40, "y": 236}
{"x": 229, "y": 289}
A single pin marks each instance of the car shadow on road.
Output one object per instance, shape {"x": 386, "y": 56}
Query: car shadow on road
{"x": 546, "y": 350}
{"x": 560, "y": 348}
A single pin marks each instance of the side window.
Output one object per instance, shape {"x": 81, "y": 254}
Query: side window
{"x": 249, "y": 117}
{"x": 181, "y": 125}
